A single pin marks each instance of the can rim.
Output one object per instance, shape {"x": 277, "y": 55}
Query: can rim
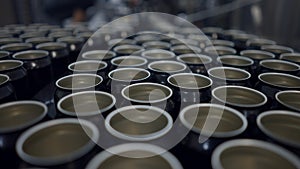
{"x": 237, "y": 104}
{"x": 104, "y": 155}
{"x": 132, "y": 80}
{"x": 42, "y": 115}
{"x": 82, "y": 74}
{"x": 128, "y": 57}
{"x": 84, "y": 114}
{"x": 229, "y": 68}
{"x": 190, "y": 74}
{"x": 179, "y": 58}
{"x": 284, "y": 104}
{"x": 87, "y": 61}
{"x": 216, "y": 161}
{"x": 270, "y": 134}
{"x": 147, "y": 101}
{"x": 58, "y": 159}
{"x": 167, "y": 61}
{"x": 280, "y": 74}
{"x": 214, "y": 134}
{"x": 144, "y": 137}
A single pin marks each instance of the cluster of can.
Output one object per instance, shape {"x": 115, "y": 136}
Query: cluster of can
{"x": 238, "y": 90}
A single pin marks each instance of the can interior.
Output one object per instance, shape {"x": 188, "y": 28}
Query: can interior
{"x": 250, "y": 157}
{"x": 229, "y": 74}
{"x": 279, "y": 66}
{"x": 239, "y": 96}
{"x": 3, "y": 54}
{"x": 235, "y": 61}
{"x": 99, "y": 55}
{"x": 128, "y": 50}
{"x": 139, "y": 121}
{"x": 167, "y": 67}
{"x": 129, "y": 74}
{"x": 195, "y": 59}
{"x": 277, "y": 50}
{"x": 281, "y": 80}
{"x": 146, "y": 92}
{"x": 220, "y": 51}
{"x": 9, "y": 65}
{"x": 123, "y": 161}
{"x": 39, "y": 40}
{"x": 9, "y": 40}
{"x": 227, "y": 121}
{"x": 290, "y": 99}
{"x": 293, "y": 58}
{"x": 279, "y": 124}
{"x": 222, "y": 43}
{"x": 19, "y": 115}
{"x": 87, "y": 66}
{"x": 56, "y": 141}
{"x": 30, "y": 55}
{"x": 183, "y": 49}
{"x": 156, "y": 45}
{"x": 52, "y": 47}
{"x": 128, "y": 61}
{"x": 17, "y": 47}
{"x": 258, "y": 56}
{"x": 189, "y": 81}
{"x": 79, "y": 82}
{"x": 86, "y": 103}
{"x": 3, "y": 79}
{"x": 158, "y": 55}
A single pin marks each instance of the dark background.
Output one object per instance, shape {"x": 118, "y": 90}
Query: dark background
{"x": 279, "y": 21}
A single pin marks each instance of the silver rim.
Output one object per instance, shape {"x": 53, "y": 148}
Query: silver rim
{"x": 66, "y": 88}
{"x": 266, "y": 47}
{"x": 236, "y": 57}
{"x": 190, "y": 74}
{"x": 16, "y": 44}
{"x": 215, "y": 48}
{"x": 132, "y": 80}
{"x": 139, "y": 48}
{"x": 283, "y": 92}
{"x": 12, "y": 61}
{"x": 268, "y": 133}
{"x": 15, "y": 56}
{"x": 104, "y": 52}
{"x": 87, "y": 61}
{"x": 56, "y": 160}
{"x": 7, "y": 130}
{"x": 189, "y": 47}
{"x": 6, "y": 79}
{"x": 146, "y": 137}
{"x": 240, "y": 105}
{"x": 169, "y": 62}
{"x": 229, "y": 68}
{"x": 82, "y": 114}
{"x": 214, "y": 134}
{"x": 244, "y": 52}
{"x": 216, "y": 161}
{"x": 101, "y": 157}
{"x": 51, "y": 44}
{"x": 144, "y": 54}
{"x": 149, "y": 101}
{"x": 280, "y": 74}
{"x": 279, "y": 61}
{"x": 129, "y": 57}
{"x": 179, "y": 58}
{"x": 248, "y": 43}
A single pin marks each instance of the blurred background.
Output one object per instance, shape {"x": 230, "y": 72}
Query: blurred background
{"x": 273, "y": 19}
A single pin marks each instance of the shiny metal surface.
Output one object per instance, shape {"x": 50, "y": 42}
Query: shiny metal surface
{"x": 239, "y": 96}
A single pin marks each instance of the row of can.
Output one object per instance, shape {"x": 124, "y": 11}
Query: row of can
{"x": 172, "y": 81}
